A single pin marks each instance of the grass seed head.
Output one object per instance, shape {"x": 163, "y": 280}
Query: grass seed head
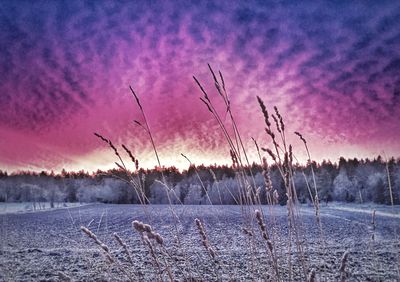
{"x": 276, "y": 123}
{"x": 129, "y": 153}
{"x": 272, "y": 155}
{"x": 264, "y": 111}
{"x": 301, "y": 137}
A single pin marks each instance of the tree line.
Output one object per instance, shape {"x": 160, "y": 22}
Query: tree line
{"x": 348, "y": 180}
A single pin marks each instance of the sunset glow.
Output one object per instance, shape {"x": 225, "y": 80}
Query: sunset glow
{"x": 331, "y": 68}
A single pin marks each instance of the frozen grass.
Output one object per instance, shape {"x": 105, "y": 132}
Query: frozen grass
{"x": 53, "y": 239}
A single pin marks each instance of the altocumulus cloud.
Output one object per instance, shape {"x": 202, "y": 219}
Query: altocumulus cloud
{"x": 333, "y": 68}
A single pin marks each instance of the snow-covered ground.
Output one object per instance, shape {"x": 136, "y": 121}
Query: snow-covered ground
{"x": 34, "y": 207}
{"x": 49, "y": 246}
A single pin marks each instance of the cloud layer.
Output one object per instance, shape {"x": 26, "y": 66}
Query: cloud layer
{"x": 332, "y": 68}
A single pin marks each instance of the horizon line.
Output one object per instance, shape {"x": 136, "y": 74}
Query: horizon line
{"x": 383, "y": 159}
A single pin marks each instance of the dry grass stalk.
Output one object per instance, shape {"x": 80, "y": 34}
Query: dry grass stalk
{"x": 199, "y": 178}
{"x": 389, "y": 183}
{"x": 111, "y": 145}
{"x": 119, "y": 166}
{"x": 224, "y": 94}
{"x": 271, "y": 196}
{"x": 266, "y": 175}
{"x": 146, "y": 127}
{"x": 169, "y": 190}
{"x": 147, "y": 235}
{"x": 146, "y": 228}
{"x": 269, "y": 131}
{"x": 283, "y": 158}
{"x": 105, "y": 250}
{"x": 204, "y": 239}
{"x": 264, "y": 111}
{"x": 316, "y": 197}
{"x": 217, "y": 184}
{"x": 235, "y": 163}
{"x": 312, "y": 169}
{"x": 156, "y": 262}
{"x": 265, "y": 236}
{"x": 342, "y": 269}
{"x": 373, "y": 223}
{"x": 237, "y": 202}
{"x": 235, "y": 141}
{"x": 124, "y": 247}
{"x": 309, "y": 189}
{"x": 257, "y": 148}
{"x": 263, "y": 229}
{"x": 134, "y": 160}
{"x": 276, "y": 123}
{"x": 134, "y": 182}
{"x": 102, "y": 246}
{"x": 210, "y": 250}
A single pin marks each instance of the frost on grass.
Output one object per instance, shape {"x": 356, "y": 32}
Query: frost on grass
{"x": 54, "y": 239}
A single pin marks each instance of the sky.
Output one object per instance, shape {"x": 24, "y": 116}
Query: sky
{"x": 331, "y": 67}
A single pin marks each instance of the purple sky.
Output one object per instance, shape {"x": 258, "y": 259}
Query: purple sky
{"x": 332, "y": 68}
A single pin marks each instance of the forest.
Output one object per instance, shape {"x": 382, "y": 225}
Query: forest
{"x": 349, "y": 180}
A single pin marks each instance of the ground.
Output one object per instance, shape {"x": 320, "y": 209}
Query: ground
{"x": 49, "y": 245}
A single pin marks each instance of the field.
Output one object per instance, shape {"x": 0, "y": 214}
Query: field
{"x": 25, "y": 207}
{"x": 49, "y": 245}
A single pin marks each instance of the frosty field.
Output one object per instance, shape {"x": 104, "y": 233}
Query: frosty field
{"x": 49, "y": 245}
{"x": 33, "y": 207}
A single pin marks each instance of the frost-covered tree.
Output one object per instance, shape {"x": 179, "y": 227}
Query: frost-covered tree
{"x": 300, "y": 183}
{"x": 324, "y": 182}
{"x": 164, "y": 194}
{"x": 377, "y": 182}
{"x": 194, "y": 195}
{"x": 395, "y": 177}
{"x": 343, "y": 188}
